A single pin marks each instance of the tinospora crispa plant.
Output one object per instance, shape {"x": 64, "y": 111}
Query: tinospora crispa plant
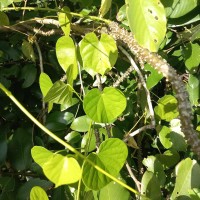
{"x": 127, "y": 39}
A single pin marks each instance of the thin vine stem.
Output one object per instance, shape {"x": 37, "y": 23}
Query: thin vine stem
{"x": 52, "y": 135}
{"x": 57, "y": 10}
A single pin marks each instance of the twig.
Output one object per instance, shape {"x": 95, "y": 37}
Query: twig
{"x": 133, "y": 177}
{"x": 143, "y": 84}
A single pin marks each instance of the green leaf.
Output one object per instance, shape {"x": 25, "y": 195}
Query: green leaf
{"x": 81, "y": 124}
{"x": 193, "y": 88}
{"x": 169, "y": 158}
{"x": 59, "y": 93}
{"x": 3, "y": 146}
{"x": 191, "y": 56}
{"x": 37, "y": 193}
{"x": 167, "y": 108}
{"x": 19, "y": 149}
{"x": 64, "y": 20}
{"x": 59, "y": 169}
{"x": 66, "y": 54}
{"x": 28, "y": 51}
{"x": 4, "y": 19}
{"x": 99, "y": 105}
{"x": 153, "y": 78}
{"x": 189, "y": 180}
{"x": 73, "y": 137}
{"x": 194, "y": 193}
{"x": 88, "y": 143}
{"x": 98, "y": 56}
{"x": 150, "y": 186}
{"x": 153, "y": 165}
{"x": 111, "y": 157}
{"x": 5, "y": 3}
{"x": 149, "y": 27}
{"x": 40, "y": 155}
{"x": 177, "y": 8}
{"x": 62, "y": 170}
{"x": 28, "y": 74}
{"x": 45, "y": 83}
{"x": 172, "y": 137}
{"x": 114, "y": 191}
{"x": 23, "y": 192}
{"x": 105, "y": 7}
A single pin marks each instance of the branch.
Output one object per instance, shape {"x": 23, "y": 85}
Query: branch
{"x": 133, "y": 64}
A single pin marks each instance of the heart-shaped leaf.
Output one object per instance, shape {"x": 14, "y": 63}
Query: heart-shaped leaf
{"x": 58, "y": 169}
{"x": 111, "y": 157}
{"x": 104, "y": 106}
{"x": 37, "y": 193}
{"x": 98, "y": 56}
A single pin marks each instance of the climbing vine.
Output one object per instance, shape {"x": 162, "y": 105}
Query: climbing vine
{"x": 99, "y": 99}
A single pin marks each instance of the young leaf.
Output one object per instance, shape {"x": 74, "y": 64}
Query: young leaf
{"x": 111, "y": 157}
{"x": 38, "y": 193}
{"x": 150, "y": 186}
{"x": 105, "y": 106}
{"x": 64, "y": 20}
{"x": 98, "y": 56}
{"x": 66, "y": 54}
{"x": 190, "y": 180}
{"x": 5, "y": 3}
{"x": 105, "y": 6}
{"x": 147, "y": 21}
{"x": 45, "y": 83}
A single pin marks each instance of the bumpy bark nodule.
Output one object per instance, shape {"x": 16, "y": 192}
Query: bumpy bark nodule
{"x": 161, "y": 65}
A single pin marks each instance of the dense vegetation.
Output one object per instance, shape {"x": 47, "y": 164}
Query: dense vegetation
{"x": 86, "y": 112}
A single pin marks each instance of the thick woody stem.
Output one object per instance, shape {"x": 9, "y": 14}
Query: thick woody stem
{"x": 161, "y": 65}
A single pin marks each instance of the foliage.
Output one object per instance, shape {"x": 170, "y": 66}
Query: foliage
{"x": 96, "y": 137}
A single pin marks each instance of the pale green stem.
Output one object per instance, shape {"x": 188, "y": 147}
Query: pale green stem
{"x": 19, "y": 105}
{"x": 57, "y": 10}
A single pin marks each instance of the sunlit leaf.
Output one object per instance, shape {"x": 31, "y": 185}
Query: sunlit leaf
{"x": 37, "y": 193}
{"x": 99, "y": 105}
{"x": 114, "y": 191}
{"x": 88, "y": 143}
{"x": 59, "y": 93}
{"x": 5, "y": 3}
{"x": 98, "y": 56}
{"x": 154, "y": 165}
{"x": 110, "y": 157}
{"x": 191, "y": 171}
{"x": 149, "y": 27}
{"x": 153, "y": 78}
{"x": 81, "y": 124}
{"x": 150, "y": 186}
{"x": 66, "y": 54}
{"x": 64, "y": 20}
{"x": 193, "y": 88}
{"x": 57, "y": 168}
{"x": 45, "y": 83}
{"x": 167, "y": 108}
{"x": 105, "y": 6}
{"x": 191, "y": 56}
{"x": 178, "y": 8}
